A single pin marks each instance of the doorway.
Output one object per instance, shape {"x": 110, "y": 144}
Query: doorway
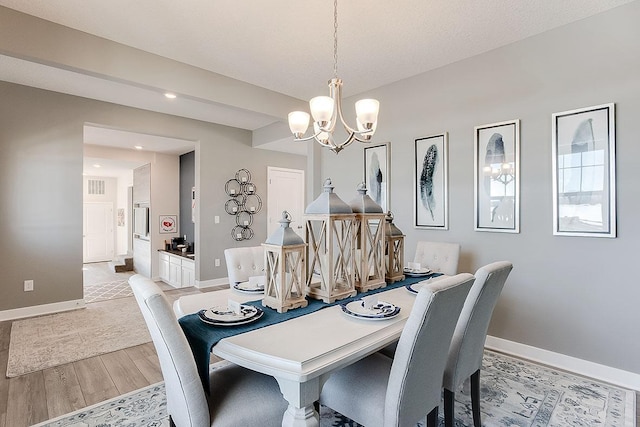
{"x": 97, "y": 232}
{"x": 285, "y": 192}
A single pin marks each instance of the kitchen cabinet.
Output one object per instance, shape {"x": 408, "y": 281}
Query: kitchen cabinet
{"x": 177, "y": 270}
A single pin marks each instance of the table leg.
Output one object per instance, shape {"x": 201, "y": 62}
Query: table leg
{"x": 301, "y": 397}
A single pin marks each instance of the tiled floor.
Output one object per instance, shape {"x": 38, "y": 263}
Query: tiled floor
{"x": 100, "y": 283}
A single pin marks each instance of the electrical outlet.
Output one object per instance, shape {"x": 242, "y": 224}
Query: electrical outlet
{"x": 217, "y": 262}
{"x": 28, "y": 285}
{"x": 216, "y": 219}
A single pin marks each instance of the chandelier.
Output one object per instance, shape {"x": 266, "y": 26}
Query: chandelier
{"x": 327, "y": 110}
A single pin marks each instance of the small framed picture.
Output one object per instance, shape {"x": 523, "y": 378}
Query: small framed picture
{"x": 584, "y": 184}
{"x": 376, "y": 173}
{"x": 430, "y": 194}
{"x": 497, "y": 177}
{"x": 168, "y": 224}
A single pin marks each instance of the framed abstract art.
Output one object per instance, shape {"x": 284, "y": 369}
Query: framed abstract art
{"x": 584, "y": 185}
{"x": 430, "y": 190}
{"x": 497, "y": 177}
{"x": 377, "y": 166}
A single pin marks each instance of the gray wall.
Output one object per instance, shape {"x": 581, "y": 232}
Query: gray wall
{"x": 215, "y": 164}
{"x": 187, "y": 182}
{"x": 572, "y": 295}
{"x": 41, "y": 186}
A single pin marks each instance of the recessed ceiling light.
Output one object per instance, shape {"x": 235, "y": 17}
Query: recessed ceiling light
{"x": 170, "y": 95}
{"x": 97, "y": 166}
{"x": 138, "y": 147}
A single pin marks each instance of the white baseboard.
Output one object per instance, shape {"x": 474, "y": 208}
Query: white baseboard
{"x": 39, "y": 310}
{"x": 604, "y": 373}
{"x": 200, "y": 284}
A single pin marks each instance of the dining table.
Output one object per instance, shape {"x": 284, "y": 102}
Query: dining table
{"x": 302, "y": 352}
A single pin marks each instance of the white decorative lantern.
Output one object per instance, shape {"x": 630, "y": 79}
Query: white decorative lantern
{"x": 369, "y": 260}
{"x": 330, "y": 250}
{"x": 285, "y": 268}
{"x": 394, "y": 253}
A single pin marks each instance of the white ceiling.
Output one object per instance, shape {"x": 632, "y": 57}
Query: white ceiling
{"x": 284, "y": 45}
{"x": 287, "y": 46}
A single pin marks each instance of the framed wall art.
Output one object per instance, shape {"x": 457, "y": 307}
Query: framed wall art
{"x": 584, "y": 195}
{"x": 430, "y": 190}
{"x": 168, "y": 224}
{"x": 377, "y": 167}
{"x": 497, "y": 177}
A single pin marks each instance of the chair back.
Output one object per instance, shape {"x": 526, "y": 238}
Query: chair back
{"x": 186, "y": 401}
{"x": 243, "y": 263}
{"x": 415, "y": 381}
{"x": 467, "y": 344}
{"x": 438, "y": 256}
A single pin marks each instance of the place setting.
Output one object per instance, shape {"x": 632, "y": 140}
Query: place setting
{"x": 233, "y": 314}
{"x": 255, "y": 285}
{"x": 414, "y": 269}
{"x": 370, "y": 308}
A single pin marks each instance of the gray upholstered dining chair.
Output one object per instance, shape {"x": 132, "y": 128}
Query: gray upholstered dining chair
{"x": 467, "y": 344}
{"x": 237, "y": 397}
{"x": 380, "y": 391}
{"x": 244, "y": 262}
{"x": 440, "y": 257}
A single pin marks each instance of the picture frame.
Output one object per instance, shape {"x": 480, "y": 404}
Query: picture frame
{"x": 584, "y": 178}
{"x": 168, "y": 224}
{"x": 497, "y": 177}
{"x": 430, "y": 184}
{"x": 377, "y": 169}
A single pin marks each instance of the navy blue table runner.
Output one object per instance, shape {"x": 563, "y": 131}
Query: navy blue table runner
{"x": 202, "y": 337}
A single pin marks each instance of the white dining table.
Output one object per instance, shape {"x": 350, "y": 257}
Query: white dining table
{"x": 301, "y": 353}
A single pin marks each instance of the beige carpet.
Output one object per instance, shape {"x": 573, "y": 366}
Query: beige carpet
{"x": 43, "y": 342}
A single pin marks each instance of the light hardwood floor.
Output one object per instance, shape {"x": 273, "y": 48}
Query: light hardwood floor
{"x": 42, "y": 395}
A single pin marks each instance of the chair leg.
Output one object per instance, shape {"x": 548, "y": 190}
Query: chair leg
{"x": 432, "y": 418}
{"x": 475, "y": 398}
{"x": 449, "y": 401}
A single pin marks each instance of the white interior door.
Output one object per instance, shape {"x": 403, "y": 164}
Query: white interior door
{"x": 97, "y": 232}
{"x": 285, "y": 192}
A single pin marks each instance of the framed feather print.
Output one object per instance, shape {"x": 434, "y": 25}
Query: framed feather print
{"x": 377, "y": 166}
{"x": 430, "y": 194}
{"x": 497, "y": 177}
{"x": 584, "y": 194}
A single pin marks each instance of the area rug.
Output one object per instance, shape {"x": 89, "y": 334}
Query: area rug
{"x": 513, "y": 393}
{"x": 43, "y": 342}
{"x": 56, "y": 339}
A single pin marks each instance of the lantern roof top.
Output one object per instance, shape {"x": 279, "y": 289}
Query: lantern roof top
{"x": 285, "y": 236}
{"x": 390, "y": 228}
{"x": 362, "y": 203}
{"x": 328, "y": 202}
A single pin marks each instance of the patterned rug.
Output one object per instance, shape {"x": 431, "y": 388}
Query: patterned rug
{"x": 514, "y": 393}
{"x": 107, "y": 291}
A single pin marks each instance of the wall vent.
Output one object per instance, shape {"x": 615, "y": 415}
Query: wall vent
{"x": 95, "y": 187}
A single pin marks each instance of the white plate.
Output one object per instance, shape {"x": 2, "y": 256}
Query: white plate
{"x": 417, "y": 270}
{"x": 240, "y": 322}
{"x": 222, "y": 314}
{"x": 415, "y": 287}
{"x": 381, "y": 311}
{"x": 244, "y": 287}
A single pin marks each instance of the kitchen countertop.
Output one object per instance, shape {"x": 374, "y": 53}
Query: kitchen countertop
{"x": 187, "y": 255}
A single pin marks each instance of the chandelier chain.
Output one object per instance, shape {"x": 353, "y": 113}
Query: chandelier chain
{"x": 335, "y": 38}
